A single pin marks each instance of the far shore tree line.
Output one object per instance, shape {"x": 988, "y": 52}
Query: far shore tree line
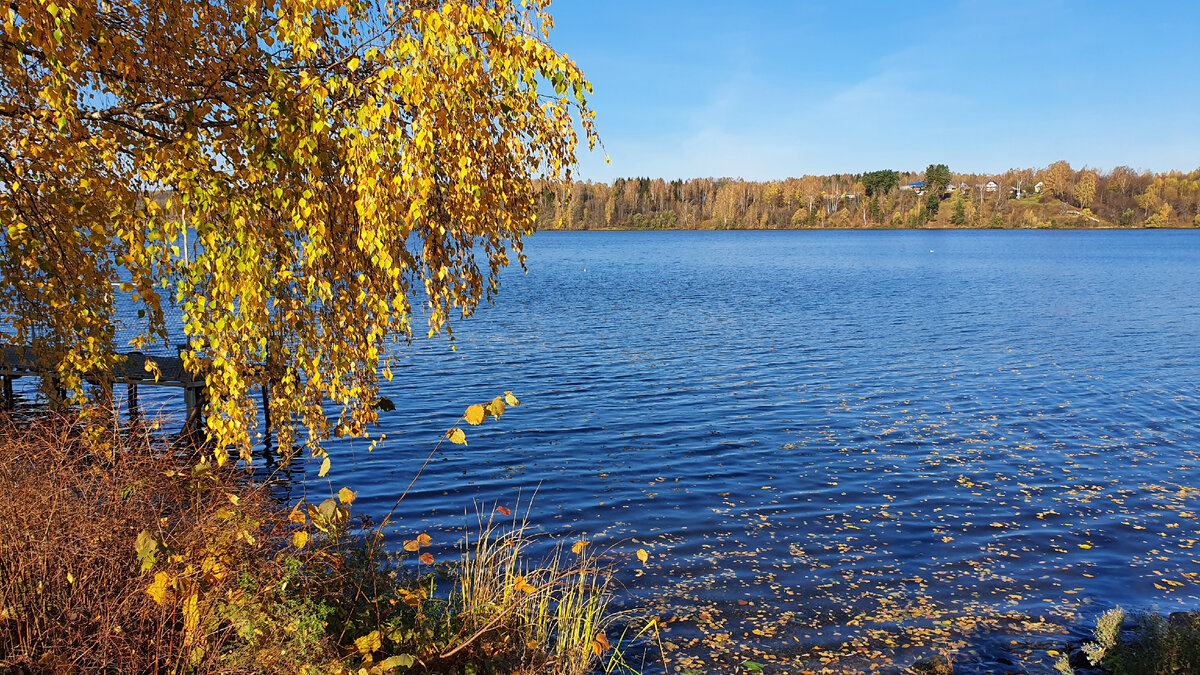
{"x": 1054, "y": 196}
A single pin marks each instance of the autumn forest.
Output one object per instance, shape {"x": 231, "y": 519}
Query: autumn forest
{"x": 1055, "y": 196}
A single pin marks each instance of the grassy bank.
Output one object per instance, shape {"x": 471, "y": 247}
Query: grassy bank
{"x": 1137, "y": 644}
{"x": 146, "y": 560}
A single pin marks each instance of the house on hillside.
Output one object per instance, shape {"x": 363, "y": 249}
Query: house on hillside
{"x": 914, "y": 186}
{"x": 991, "y": 186}
{"x": 1038, "y": 188}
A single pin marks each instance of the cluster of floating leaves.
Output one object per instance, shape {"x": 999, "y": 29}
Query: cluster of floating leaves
{"x": 925, "y": 531}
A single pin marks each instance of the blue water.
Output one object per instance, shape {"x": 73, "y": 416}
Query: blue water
{"x": 861, "y": 445}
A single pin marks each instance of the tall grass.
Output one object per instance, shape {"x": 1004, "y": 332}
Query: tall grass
{"x": 559, "y": 608}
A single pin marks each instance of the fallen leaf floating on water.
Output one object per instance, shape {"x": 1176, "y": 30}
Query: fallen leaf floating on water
{"x": 643, "y": 555}
{"x": 504, "y": 510}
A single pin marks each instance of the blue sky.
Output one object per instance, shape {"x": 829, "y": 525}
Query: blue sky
{"x": 770, "y": 89}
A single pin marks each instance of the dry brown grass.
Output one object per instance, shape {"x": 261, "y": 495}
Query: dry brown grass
{"x": 72, "y": 589}
{"x": 144, "y": 560}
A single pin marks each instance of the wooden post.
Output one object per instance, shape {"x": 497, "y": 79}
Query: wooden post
{"x": 9, "y": 401}
{"x": 191, "y": 398}
{"x": 60, "y": 394}
{"x": 134, "y": 410}
{"x": 266, "y": 402}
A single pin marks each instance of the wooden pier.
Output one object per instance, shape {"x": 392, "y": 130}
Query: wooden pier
{"x": 16, "y": 362}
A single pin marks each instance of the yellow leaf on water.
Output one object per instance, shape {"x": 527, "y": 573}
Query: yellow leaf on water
{"x": 424, "y": 539}
{"x": 474, "y": 415}
{"x": 1085, "y": 546}
{"x": 412, "y": 546}
{"x": 300, "y": 539}
{"x": 577, "y": 548}
{"x": 457, "y": 436}
{"x": 643, "y": 555}
{"x": 510, "y": 399}
{"x": 345, "y": 496}
{"x": 324, "y": 468}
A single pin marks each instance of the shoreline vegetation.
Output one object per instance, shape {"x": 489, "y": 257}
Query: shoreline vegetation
{"x": 1054, "y": 197}
{"x": 151, "y": 559}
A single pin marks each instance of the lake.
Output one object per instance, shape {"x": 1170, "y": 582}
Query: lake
{"x": 840, "y": 448}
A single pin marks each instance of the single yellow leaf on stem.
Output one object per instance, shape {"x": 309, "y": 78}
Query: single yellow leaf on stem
{"x": 412, "y": 546}
{"x": 424, "y": 539}
{"x": 161, "y": 586}
{"x": 368, "y": 643}
{"x": 300, "y": 539}
{"x": 577, "y": 548}
{"x": 510, "y": 399}
{"x": 496, "y": 407}
{"x": 345, "y": 496}
{"x": 457, "y": 436}
{"x": 324, "y": 468}
{"x": 474, "y": 415}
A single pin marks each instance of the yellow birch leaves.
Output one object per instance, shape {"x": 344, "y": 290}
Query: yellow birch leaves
{"x": 287, "y": 179}
{"x": 476, "y": 414}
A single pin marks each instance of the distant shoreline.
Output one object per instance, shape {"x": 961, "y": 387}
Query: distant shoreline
{"x": 1107, "y": 228}
{"x": 1056, "y": 197}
